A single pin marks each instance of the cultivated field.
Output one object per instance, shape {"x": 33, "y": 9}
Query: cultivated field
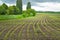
{"x": 40, "y": 27}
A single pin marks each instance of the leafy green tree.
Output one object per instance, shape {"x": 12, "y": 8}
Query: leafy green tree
{"x": 5, "y": 6}
{"x": 28, "y": 5}
{"x": 13, "y": 10}
{"x": 19, "y": 5}
{"x": 2, "y": 10}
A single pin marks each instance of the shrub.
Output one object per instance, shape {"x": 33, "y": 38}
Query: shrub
{"x": 29, "y": 12}
{"x": 25, "y": 14}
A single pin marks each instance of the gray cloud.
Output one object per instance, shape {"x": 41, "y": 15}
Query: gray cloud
{"x": 33, "y": 2}
{"x": 24, "y": 1}
{"x": 46, "y": 0}
{"x": 44, "y": 6}
{"x": 9, "y": 1}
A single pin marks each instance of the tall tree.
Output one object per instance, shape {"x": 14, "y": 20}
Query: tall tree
{"x": 28, "y": 5}
{"x": 19, "y": 5}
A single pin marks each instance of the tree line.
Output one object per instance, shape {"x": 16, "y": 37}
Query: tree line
{"x": 17, "y": 10}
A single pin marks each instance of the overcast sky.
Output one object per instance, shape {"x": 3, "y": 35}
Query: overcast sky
{"x": 39, "y": 5}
